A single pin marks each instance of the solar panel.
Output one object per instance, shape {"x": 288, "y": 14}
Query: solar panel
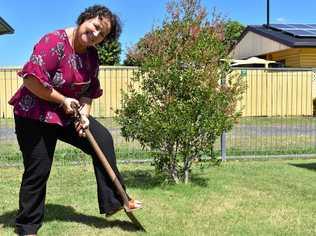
{"x": 299, "y": 26}
{"x": 280, "y": 26}
{"x": 302, "y": 33}
{"x": 297, "y": 30}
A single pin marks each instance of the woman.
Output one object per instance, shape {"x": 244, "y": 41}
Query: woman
{"x": 60, "y": 75}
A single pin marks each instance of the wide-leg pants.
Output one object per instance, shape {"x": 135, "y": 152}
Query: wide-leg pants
{"x": 37, "y": 141}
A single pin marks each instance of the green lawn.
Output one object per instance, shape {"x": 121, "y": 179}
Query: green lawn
{"x": 236, "y": 198}
{"x": 278, "y": 120}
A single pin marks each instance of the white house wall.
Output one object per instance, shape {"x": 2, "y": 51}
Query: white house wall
{"x": 253, "y": 44}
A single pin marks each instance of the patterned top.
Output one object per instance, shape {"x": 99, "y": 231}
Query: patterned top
{"x": 55, "y": 64}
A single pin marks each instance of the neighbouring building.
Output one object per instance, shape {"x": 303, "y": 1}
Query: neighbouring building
{"x": 5, "y": 28}
{"x": 290, "y": 45}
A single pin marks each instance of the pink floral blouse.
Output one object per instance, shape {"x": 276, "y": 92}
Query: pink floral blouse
{"x": 55, "y": 64}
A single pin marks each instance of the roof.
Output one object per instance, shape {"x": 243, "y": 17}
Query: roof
{"x": 280, "y": 36}
{"x": 5, "y": 28}
{"x": 249, "y": 61}
{"x": 252, "y": 60}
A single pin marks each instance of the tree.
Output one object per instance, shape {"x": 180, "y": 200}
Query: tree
{"x": 109, "y": 53}
{"x": 134, "y": 56}
{"x": 228, "y": 32}
{"x": 182, "y": 107}
{"x": 232, "y": 32}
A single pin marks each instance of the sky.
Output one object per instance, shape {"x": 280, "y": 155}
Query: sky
{"x": 31, "y": 19}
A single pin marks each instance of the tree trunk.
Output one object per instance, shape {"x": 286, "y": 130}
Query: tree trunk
{"x": 173, "y": 166}
{"x": 174, "y": 173}
{"x": 175, "y": 177}
{"x": 186, "y": 168}
{"x": 186, "y": 176}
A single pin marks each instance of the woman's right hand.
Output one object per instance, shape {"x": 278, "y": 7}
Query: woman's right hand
{"x": 69, "y": 105}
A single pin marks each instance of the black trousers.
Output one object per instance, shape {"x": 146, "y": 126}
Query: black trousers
{"x": 37, "y": 141}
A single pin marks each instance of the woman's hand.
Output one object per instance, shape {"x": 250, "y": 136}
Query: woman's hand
{"x": 84, "y": 113}
{"x": 82, "y": 125}
{"x": 69, "y": 105}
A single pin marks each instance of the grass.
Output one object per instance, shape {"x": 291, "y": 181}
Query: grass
{"x": 236, "y": 198}
{"x": 278, "y": 120}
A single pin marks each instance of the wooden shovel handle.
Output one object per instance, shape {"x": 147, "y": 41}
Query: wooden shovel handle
{"x": 113, "y": 177}
{"x": 107, "y": 167}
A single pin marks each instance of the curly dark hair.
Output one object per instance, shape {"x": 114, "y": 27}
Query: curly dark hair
{"x": 102, "y": 11}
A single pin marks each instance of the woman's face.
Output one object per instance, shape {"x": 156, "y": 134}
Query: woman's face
{"x": 93, "y": 31}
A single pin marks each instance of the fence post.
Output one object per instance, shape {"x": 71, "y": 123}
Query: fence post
{"x": 223, "y": 146}
{"x": 223, "y": 135}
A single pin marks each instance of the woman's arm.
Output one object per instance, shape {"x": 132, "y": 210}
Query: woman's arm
{"x": 41, "y": 91}
{"x": 49, "y": 94}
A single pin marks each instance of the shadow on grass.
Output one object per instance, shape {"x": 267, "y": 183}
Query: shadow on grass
{"x": 54, "y": 212}
{"x": 148, "y": 179}
{"x": 309, "y": 166}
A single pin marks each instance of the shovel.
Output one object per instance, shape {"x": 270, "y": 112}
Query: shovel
{"x": 112, "y": 175}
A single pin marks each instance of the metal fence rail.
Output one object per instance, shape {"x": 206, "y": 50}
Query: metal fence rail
{"x": 277, "y": 113}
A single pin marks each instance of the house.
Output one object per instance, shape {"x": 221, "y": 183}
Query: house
{"x": 290, "y": 45}
{"x": 5, "y": 28}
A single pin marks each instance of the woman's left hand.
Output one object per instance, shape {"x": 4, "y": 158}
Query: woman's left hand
{"x": 82, "y": 125}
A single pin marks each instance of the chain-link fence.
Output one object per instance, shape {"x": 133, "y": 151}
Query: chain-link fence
{"x": 277, "y": 114}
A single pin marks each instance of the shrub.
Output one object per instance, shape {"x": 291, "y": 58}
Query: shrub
{"x": 182, "y": 107}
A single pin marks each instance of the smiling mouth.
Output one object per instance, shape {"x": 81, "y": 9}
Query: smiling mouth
{"x": 90, "y": 36}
